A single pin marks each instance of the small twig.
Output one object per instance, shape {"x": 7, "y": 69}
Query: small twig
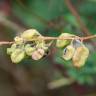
{"x": 65, "y": 38}
{"x": 89, "y": 37}
{"x": 4, "y": 21}
{"x": 75, "y": 13}
{"x": 53, "y": 38}
{"x": 5, "y": 42}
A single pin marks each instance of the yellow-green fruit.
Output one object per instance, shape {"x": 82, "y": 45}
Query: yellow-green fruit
{"x": 29, "y": 49}
{"x": 18, "y": 40}
{"x": 38, "y": 54}
{"x": 80, "y": 56}
{"x": 30, "y": 34}
{"x": 40, "y": 44}
{"x": 10, "y": 50}
{"x": 68, "y": 52}
{"x": 17, "y": 56}
{"x": 63, "y": 43}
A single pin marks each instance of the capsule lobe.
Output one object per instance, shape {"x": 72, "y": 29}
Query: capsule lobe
{"x": 80, "y": 56}
{"x": 68, "y": 52}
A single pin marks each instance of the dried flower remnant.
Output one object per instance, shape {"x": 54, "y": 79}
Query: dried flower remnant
{"x": 38, "y": 54}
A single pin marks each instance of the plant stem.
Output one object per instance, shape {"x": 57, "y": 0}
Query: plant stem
{"x": 53, "y": 38}
{"x": 5, "y": 43}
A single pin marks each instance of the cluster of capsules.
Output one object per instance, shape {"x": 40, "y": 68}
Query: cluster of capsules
{"x": 27, "y": 45}
{"x": 73, "y": 50}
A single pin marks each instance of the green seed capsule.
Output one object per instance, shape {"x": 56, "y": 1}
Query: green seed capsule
{"x": 30, "y": 34}
{"x": 40, "y": 44}
{"x": 63, "y": 43}
{"x": 80, "y": 56}
{"x": 10, "y": 50}
{"x": 29, "y": 49}
{"x": 68, "y": 52}
{"x": 17, "y": 56}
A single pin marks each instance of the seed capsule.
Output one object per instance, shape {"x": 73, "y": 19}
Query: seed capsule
{"x": 10, "y": 50}
{"x": 63, "y": 43}
{"x": 80, "y": 56}
{"x": 30, "y": 34}
{"x": 29, "y": 49}
{"x": 18, "y": 40}
{"x": 68, "y": 52}
{"x": 17, "y": 56}
{"x": 38, "y": 54}
{"x": 40, "y": 44}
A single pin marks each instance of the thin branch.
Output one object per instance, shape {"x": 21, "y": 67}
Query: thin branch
{"x": 75, "y": 13}
{"x": 5, "y": 43}
{"x": 53, "y": 38}
{"x": 64, "y": 38}
{"x": 89, "y": 37}
{"x": 4, "y": 21}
